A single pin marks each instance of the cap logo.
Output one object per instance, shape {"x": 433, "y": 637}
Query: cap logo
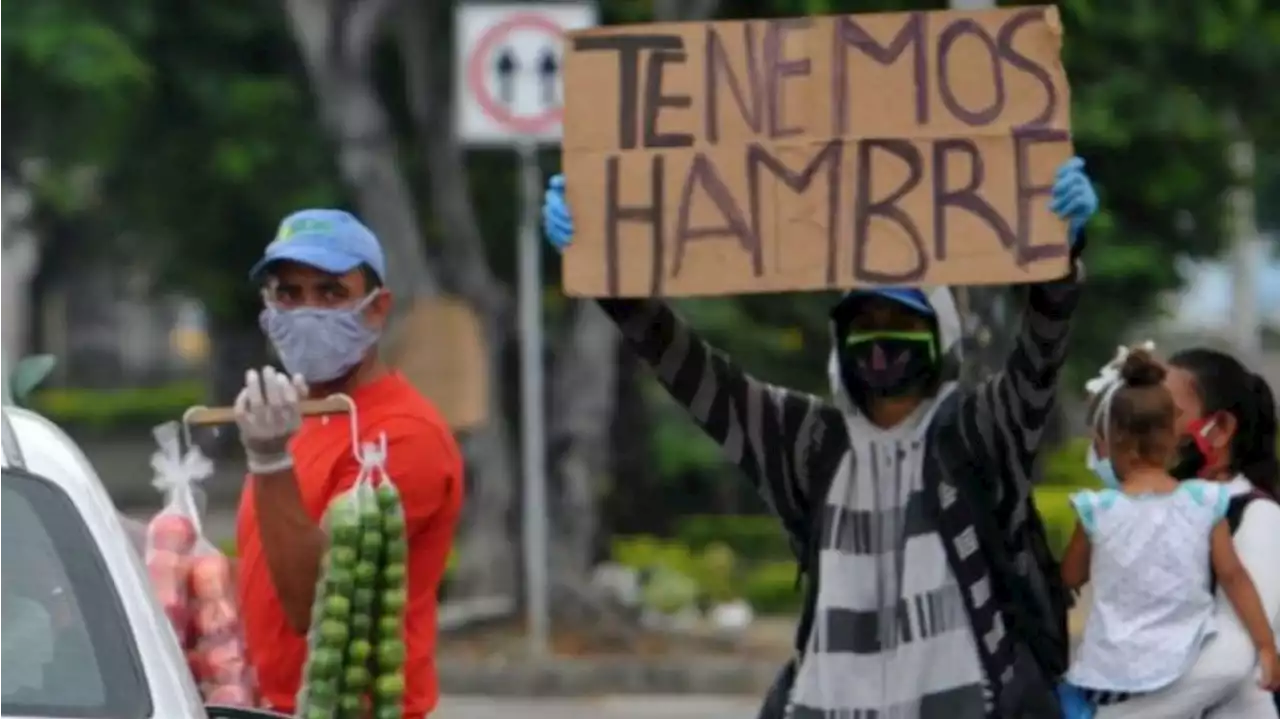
{"x": 304, "y": 225}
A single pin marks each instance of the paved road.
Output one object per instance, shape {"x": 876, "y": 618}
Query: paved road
{"x": 638, "y": 707}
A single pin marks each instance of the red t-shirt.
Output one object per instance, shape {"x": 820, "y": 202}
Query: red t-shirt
{"x": 424, "y": 463}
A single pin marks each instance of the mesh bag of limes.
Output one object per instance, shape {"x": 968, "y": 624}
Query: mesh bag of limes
{"x": 355, "y": 662}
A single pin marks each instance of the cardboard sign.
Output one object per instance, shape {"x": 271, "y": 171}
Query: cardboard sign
{"x": 441, "y": 350}
{"x": 815, "y": 153}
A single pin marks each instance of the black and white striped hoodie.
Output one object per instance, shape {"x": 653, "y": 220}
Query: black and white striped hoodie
{"x": 909, "y": 623}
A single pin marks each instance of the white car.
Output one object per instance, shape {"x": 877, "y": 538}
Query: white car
{"x": 82, "y": 635}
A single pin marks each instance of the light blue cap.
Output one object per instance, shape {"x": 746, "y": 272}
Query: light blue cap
{"x": 910, "y": 297}
{"x": 333, "y": 241}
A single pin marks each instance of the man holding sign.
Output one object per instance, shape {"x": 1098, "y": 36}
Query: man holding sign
{"x": 932, "y": 592}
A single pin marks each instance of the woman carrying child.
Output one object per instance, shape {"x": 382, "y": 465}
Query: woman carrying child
{"x": 1148, "y": 542}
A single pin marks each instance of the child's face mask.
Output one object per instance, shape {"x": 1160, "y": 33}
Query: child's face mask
{"x": 1103, "y": 468}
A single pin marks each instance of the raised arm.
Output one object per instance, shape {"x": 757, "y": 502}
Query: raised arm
{"x": 1004, "y": 418}
{"x": 775, "y": 435}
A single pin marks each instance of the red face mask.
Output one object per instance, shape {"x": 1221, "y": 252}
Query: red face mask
{"x": 1195, "y": 452}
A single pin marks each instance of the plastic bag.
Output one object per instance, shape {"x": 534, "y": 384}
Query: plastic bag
{"x": 355, "y": 645}
{"x": 217, "y": 645}
{"x": 192, "y": 578}
{"x": 335, "y": 679}
{"x": 173, "y": 531}
{"x": 389, "y": 647}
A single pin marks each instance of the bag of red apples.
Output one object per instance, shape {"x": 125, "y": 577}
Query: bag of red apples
{"x": 192, "y": 579}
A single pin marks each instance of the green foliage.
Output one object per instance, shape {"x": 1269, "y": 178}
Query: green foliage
{"x": 1065, "y": 472}
{"x": 679, "y": 448}
{"x": 1065, "y": 466}
{"x": 648, "y": 553}
{"x": 771, "y": 588}
{"x": 668, "y": 591}
{"x": 678, "y": 575}
{"x": 753, "y": 537}
{"x": 196, "y": 121}
{"x": 1054, "y": 506}
{"x": 247, "y": 151}
{"x": 71, "y": 73}
{"x": 113, "y": 409}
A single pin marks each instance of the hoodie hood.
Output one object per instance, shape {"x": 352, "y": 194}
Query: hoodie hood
{"x": 950, "y": 332}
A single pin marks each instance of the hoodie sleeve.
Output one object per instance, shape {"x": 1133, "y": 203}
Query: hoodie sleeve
{"x": 1004, "y": 419}
{"x": 773, "y": 434}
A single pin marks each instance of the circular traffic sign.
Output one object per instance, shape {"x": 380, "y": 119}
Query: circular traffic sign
{"x": 478, "y": 73}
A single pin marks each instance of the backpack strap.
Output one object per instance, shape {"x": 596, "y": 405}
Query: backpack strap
{"x": 1235, "y": 515}
{"x": 1237, "y": 504}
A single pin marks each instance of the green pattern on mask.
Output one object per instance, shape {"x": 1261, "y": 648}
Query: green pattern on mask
{"x": 927, "y": 338}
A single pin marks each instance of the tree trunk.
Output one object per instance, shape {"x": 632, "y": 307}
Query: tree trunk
{"x": 584, "y": 377}
{"x": 486, "y": 564}
{"x": 584, "y": 389}
{"x": 336, "y": 39}
{"x": 582, "y": 410}
{"x": 235, "y": 343}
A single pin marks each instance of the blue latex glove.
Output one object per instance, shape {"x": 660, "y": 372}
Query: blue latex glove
{"x": 1073, "y": 197}
{"x": 557, "y": 221}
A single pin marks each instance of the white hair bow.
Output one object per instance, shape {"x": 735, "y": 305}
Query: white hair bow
{"x": 1104, "y": 386}
{"x": 1109, "y": 375}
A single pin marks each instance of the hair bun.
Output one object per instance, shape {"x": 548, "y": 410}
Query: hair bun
{"x": 1140, "y": 369}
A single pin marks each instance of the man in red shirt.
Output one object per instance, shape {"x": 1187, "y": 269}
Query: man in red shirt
{"x": 326, "y": 305}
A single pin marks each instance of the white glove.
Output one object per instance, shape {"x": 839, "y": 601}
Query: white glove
{"x": 267, "y": 414}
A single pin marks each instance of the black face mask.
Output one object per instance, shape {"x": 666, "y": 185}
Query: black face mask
{"x": 1189, "y": 460}
{"x": 887, "y": 364}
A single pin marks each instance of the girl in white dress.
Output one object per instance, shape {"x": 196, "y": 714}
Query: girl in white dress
{"x": 1148, "y": 546}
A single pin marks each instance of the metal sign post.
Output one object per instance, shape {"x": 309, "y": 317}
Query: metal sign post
{"x": 534, "y": 439}
{"x": 509, "y": 93}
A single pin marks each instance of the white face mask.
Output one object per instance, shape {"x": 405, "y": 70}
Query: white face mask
{"x": 319, "y": 343}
